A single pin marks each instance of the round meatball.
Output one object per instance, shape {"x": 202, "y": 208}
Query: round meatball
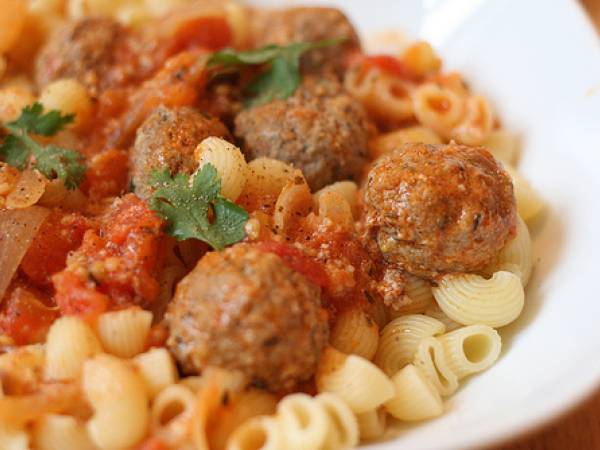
{"x": 309, "y": 24}
{"x": 435, "y": 209}
{"x": 84, "y": 50}
{"x": 244, "y": 309}
{"x": 167, "y": 139}
{"x": 321, "y": 130}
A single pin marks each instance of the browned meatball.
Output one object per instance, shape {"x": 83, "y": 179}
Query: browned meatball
{"x": 434, "y": 209}
{"x": 243, "y": 309}
{"x": 308, "y": 25}
{"x": 84, "y": 50}
{"x": 321, "y": 130}
{"x": 167, "y": 139}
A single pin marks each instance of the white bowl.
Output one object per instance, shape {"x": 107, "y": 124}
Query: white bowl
{"x": 539, "y": 62}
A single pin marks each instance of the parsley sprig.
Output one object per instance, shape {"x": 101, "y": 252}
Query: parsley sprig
{"x": 19, "y": 149}
{"x": 194, "y": 208}
{"x": 282, "y": 78}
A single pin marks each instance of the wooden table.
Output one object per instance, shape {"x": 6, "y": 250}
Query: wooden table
{"x": 580, "y": 429}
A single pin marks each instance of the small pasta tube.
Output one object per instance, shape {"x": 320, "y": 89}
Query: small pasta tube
{"x": 390, "y": 100}
{"x": 477, "y": 122}
{"x": 360, "y": 82}
{"x": 171, "y": 402}
{"x": 347, "y": 189}
{"x": 438, "y": 108}
{"x": 157, "y": 368}
{"x": 343, "y": 430}
{"x": 357, "y": 381}
{"x": 355, "y": 333}
{"x": 415, "y": 398}
{"x": 68, "y": 96}
{"x": 124, "y": 333}
{"x": 420, "y": 295}
{"x": 58, "y": 432}
{"x": 303, "y": 421}
{"x": 229, "y": 162}
{"x": 471, "y": 349}
{"x": 471, "y": 299}
{"x": 421, "y": 59}
{"x": 258, "y": 433}
{"x": 529, "y": 202}
{"x": 118, "y": 398}
{"x": 12, "y": 21}
{"x": 516, "y": 256}
{"x": 400, "y": 339}
{"x": 371, "y": 424}
{"x": 294, "y": 202}
{"x": 13, "y": 438}
{"x": 385, "y": 143}
{"x": 335, "y": 208}
{"x": 436, "y": 312}
{"x": 268, "y": 176}
{"x": 503, "y": 146}
{"x": 431, "y": 360}
{"x": 70, "y": 341}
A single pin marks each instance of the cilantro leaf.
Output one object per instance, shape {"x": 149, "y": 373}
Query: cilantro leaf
{"x": 32, "y": 120}
{"x": 282, "y": 78}
{"x": 194, "y": 208}
{"x": 19, "y": 149}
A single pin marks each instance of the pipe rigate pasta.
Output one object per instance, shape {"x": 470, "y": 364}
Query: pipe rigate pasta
{"x": 415, "y": 397}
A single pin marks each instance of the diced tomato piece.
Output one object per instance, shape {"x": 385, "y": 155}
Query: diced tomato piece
{"x": 211, "y": 33}
{"x": 78, "y": 297}
{"x": 390, "y": 65}
{"x": 24, "y": 316}
{"x": 107, "y": 174}
{"x": 296, "y": 260}
{"x": 60, "y": 233}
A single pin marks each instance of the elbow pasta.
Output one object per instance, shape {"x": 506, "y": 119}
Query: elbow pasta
{"x": 157, "y": 368}
{"x": 119, "y": 420}
{"x": 355, "y": 333}
{"x": 390, "y": 99}
{"x": 357, "y": 381}
{"x": 435, "y": 311}
{"x": 347, "y": 189}
{"x": 372, "y": 424}
{"x": 471, "y": 299}
{"x": 420, "y": 295}
{"x": 438, "y": 107}
{"x": 431, "y": 360}
{"x": 171, "y": 402}
{"x": 415, "y": 397}
{"x": 58, "y": 432}
{"x": 471, "y": 349}
{"x": 477, "y": 122}
{"x": 70, "y": 341}
{"x": 259, "y": 433}
{"x": 229, "y": 162}
{"x": 124, "y": 333}
{"x": 400, "y": 339}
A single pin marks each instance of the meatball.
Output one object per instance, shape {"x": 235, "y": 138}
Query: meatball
{"x": 308, "y": 25}
{"x": 321, "y": 130}
{"x": 244, "y": 309}
{"x": 435, "y": 209}
{"x": 84, "y": 50}
{"x": 167, "y": 139}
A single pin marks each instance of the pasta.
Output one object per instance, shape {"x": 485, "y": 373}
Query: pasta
{"x": 415, "y": 398}
{"x": 58, "y": 432}
{"x": 421, "y": 59}
{"x": 229, "y": 162}
{"x": 12, "y": 21}
{"x": 432, "y": 361}
{"x": 124, "y": 333}
{"x": 335, "y": 208}
{"x": 388, "y": 142}
{"x": 436, "y": 312}
{"x": 119, "y": 420}
{"x": 355, "y": 333}
{"x": 471, "y": 299}
{"x": 259, "y": 433}
{"x": 400, "y": 339}
{"x": 503, "y": 145}
{"x": 371, "y": 424}
{"x": 303, "y": 420}
{"x": 69, "y": 343}
{"x": 529, "y": 202}
{"x": 172, "y": 401}
{"x": 390, "y": 99}
{"x": 420, "y": 295}
{"x": 438, "y": 108}
{"x": 471, "y": 349}
{"x": 157, "y": 368}
{"x": 357, "y": 381}
{"x": 343, "y": 431}
{"x": 12, "y": 438}
{"x": 293, "y": 203}
{"x": 68, "y": 96}
{"x": 477, "y": 122}
{"x": 347, "y": 189}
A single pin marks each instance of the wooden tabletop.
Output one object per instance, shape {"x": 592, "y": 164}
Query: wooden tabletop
{"x": 579, "y": 429}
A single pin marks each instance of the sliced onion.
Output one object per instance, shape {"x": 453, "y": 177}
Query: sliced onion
{"x": 17, "y": 229}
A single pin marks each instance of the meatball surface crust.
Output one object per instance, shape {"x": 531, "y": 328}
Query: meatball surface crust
{"x": 244, "y": 309}
{"x": 321, "y": 130}
{"x": 83, "y": 50}
{"x": 436, "y": 209}
{"x": 309, "y": 24}
{"x": 167, "y": 139}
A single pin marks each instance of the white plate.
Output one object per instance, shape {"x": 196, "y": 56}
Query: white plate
{"x": 539, "y": 62}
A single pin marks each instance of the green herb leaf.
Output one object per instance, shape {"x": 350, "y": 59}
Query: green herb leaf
{"x": 194, "y": 208}
{"x": 282, "y": 78}
{"x": 18, "y": 148}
